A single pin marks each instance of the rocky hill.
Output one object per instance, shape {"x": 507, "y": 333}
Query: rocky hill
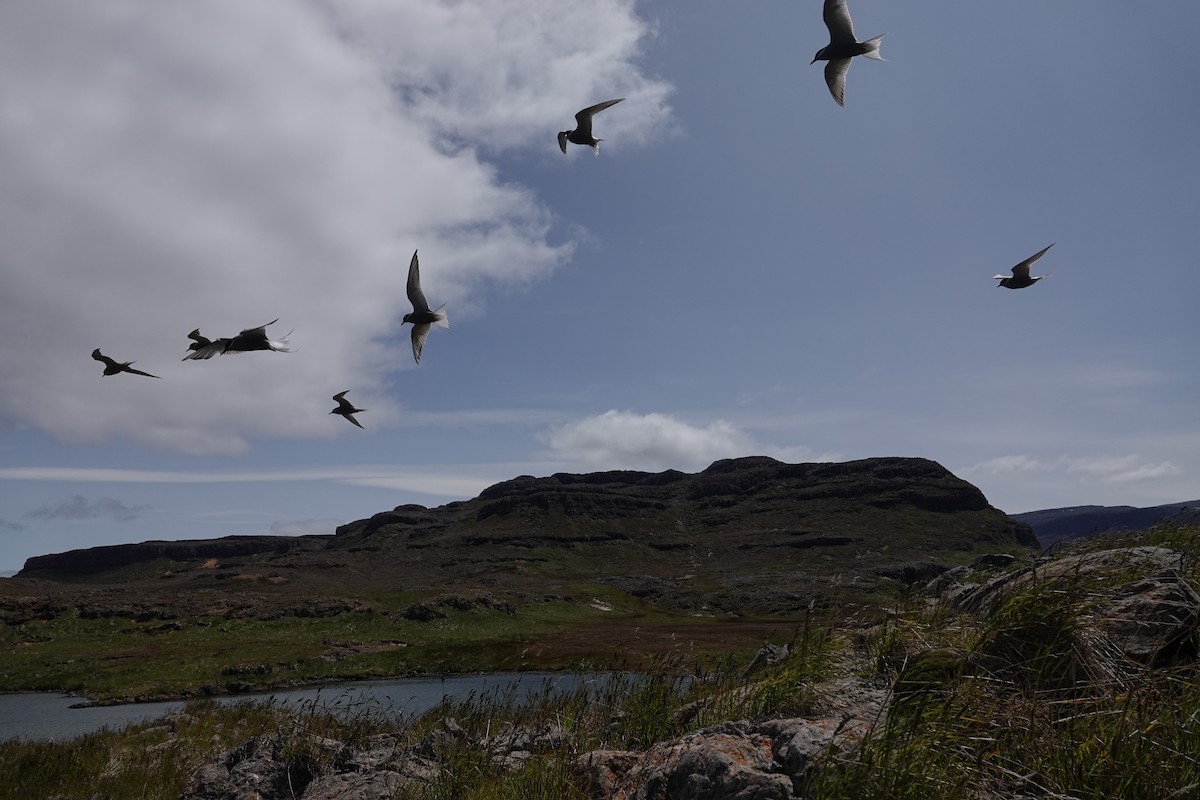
{"x": 745, "y": 535}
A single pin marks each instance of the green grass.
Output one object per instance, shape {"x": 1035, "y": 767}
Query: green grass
{"x": 1016, "y": 702}
{"x": 1025, "y": 701}
{"x": 119, "y": 658}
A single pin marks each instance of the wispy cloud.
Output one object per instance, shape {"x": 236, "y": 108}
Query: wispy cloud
{"x": 305, "y": 527}
{"x": 78, "y": 507}
{"x": 1121, "y": 469}
{"x": 1008, "y": 464}
{"x": 5, "y": 525}
{"x": 1109, "y": 469}
{"x": 458, "y": 481}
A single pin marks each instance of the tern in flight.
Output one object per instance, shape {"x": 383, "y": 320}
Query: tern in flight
{"x": 244, "y": 342}
{"x": 583, "y": 128}
{"x": 421, "y": 317}
{"x": 113, "y": 368}
{"x": 842, "y": 47}
{"x": 346, "y": 409}
{"x": 1020, "y": 277}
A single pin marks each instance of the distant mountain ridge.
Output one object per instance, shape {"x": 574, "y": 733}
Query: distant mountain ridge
{"x": 1053, "y": 525}
{"x": 746, "y": 534}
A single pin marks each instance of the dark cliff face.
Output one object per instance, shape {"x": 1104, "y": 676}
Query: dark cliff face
{"x": 708, "y": 540}
{"x": 97, "y": 560}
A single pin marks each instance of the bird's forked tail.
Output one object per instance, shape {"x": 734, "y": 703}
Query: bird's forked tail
{"x": 872, "y": 46}
{"x": 441, "y": 321}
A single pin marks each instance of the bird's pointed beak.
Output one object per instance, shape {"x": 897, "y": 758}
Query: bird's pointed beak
{"x": 813, "y": 61}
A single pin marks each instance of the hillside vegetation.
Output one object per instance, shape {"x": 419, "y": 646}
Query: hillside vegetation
{"x": 566, "y": 571}
{"x": 1072, "y": 676}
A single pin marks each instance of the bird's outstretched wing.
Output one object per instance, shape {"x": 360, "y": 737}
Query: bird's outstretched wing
{"x": 583, "y": 119}
{"x": 260, "y": 331}
{"x": 835, "y": 78}
{"x": 1022, "y": 270}
{"x": 209, "y": 350}
{"x": 837, "y": 19}
{"x": 415, "y": 295}
{"x": 419, "y": 332}
{"x": 127, "y": 368}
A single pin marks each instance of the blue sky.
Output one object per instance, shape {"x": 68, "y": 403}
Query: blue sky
{"x": 746, "y": 269}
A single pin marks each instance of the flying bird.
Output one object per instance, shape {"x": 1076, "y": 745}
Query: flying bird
{"x": 421, "y": 317}
{"x": 842, "y": 47}
{"x": 346, "y": 409}
{"x": 199, "y": 342}
{"x": 1020, "y": 273}
{"x": 244, "y": 342}
{"x": 112, "y": 367}
{"x": 583, "y": 128}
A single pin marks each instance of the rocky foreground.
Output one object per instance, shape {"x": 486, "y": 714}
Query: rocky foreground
{"x": 1134, "y": 611}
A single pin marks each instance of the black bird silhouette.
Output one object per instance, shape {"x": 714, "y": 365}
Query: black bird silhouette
{"x": 583, "y": 128}
{"x": 199, "y": 342}
{"x": 112, "y": 367}
{"x": 346, "y": 409}
{"x": 1020, "y": 273}
{"x": 842, "y": 47}
{"x": 421, "y": 317}
{"x": 244, "y": 342}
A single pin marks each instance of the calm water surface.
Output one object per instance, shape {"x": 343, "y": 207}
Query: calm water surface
{"x": 50, "y": 716}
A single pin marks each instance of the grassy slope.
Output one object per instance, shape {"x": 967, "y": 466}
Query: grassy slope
{"x": 1007, "y": 705}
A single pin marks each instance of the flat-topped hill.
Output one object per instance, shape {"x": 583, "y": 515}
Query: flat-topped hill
{"x": 747, "y": 534}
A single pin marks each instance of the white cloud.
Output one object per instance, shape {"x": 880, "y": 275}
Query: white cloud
{"x": 1008, "y": 464}
{"x": 623, "y": 439}
{"x": 169, "y": 166}
{"x": 1121, "y": 469}
{"x": 465, "y": 481}
{"x": 531, "y": 65}
{"x": 78, "y": 507}
{"x": 305, "y": 527}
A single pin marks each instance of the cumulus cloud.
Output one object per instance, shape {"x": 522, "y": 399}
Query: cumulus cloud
{"x": 78, "y": 507}
{"x": 171, "y": 166}
{"x": 623, "y": 439}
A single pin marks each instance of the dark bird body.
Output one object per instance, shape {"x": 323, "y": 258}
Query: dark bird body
{"x": 113, "y": 368}
{"x": 842, "y": 47}
{"x": 583, "y": 128}
{"x": 1020, "y": 277}
{"x": 199, "y": 342}
{"x": 346, "y": 409}
{"x": 246, "y": 341}
{"x": 421, "y": 317}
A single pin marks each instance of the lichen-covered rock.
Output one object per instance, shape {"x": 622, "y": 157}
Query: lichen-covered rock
{"x": 767, "y": 760}
{"x": 1155, "y": 621}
